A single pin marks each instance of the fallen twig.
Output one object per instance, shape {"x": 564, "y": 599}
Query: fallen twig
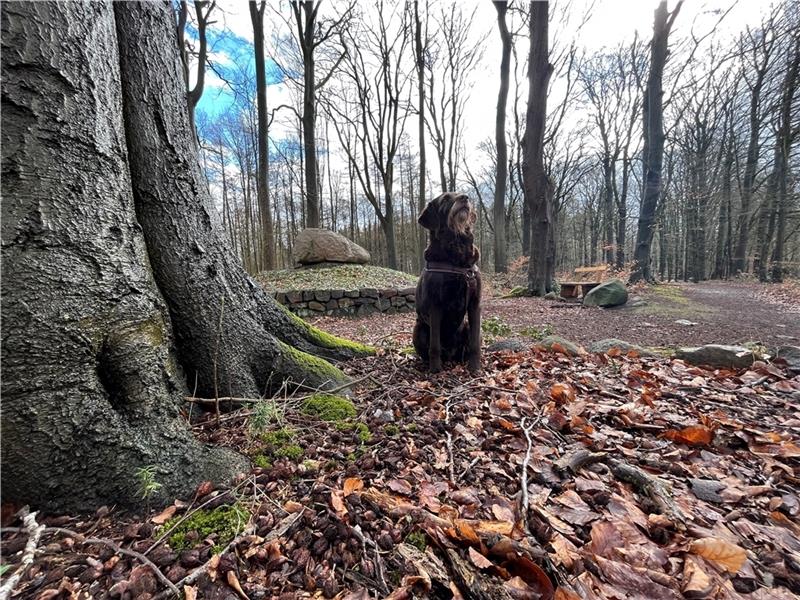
{"x": 34, "y": 531}
{"x": 527, "y": 428}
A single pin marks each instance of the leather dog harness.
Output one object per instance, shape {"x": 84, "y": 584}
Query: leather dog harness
{"x": 470, "y": 274}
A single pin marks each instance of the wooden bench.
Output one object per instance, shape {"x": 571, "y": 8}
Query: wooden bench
{"x": 586, "y": 278}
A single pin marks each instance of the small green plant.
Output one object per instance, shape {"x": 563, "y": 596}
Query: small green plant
{"x": 148, "y": 486}
{"x": 278, "y": 437}
{"x": 280, "y": 443}
{"x": 537, "y": 333}
{"x": 391, "y": 430}
{"x": 412, "y": 428}
{"x": 418, "y": 540}
{"x": 329, "y": 407}
{"x": 3, "y": 569}
{"x": 364, "y": 434}
{"x": 223, "y": 522}
{"x": 493, "y": 326}
{"x": 361, "y": 430}
{"x": 292, "y": 451}
{"x": 265, "y": 413}
{"x": 261, "y": 460}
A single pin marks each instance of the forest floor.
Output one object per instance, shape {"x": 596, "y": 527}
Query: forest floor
{"x": 720, "y": 313}
{"x": 547, "y": 476}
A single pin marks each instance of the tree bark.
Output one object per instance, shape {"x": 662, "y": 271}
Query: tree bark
{"x": 91, "y": 388}
{"x": 653, "y": 141}
{"x": 538, "y": 188}
{"x": 268, "y": 237}
{"x": 501, "y": 177}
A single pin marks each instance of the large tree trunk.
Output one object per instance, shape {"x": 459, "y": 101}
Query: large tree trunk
{"x": 538, "y": 189}
{"x": 653, "y": 143}
{"x": 225, "y": 324}
{"x": 91, "y": 389}
{"x": 92, "y": 381}
{"x": 262, "y": 181}
{"x": 501, "y": 178}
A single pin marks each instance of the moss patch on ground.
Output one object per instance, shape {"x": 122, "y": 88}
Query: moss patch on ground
{"x": 670, "y": 301}
{"x": 279, "y": 443}
{"x": 329, "y": 407}
{"x": 340, "y": 277}
{"x": 223, "y": 522}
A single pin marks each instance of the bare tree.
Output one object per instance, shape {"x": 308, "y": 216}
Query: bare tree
{"x": 538, "y": 188}
{"x": 375, "y": 106}
{"x": 268, "y": 247}
{"x": 203, "y": 9}
{"x": 758, "y": 47}
{"x": 313, "y": 31}
{"x": 501, "y": 178}
{"x": 653, "y": 140}
{"x": 449, "y": 86}
{"x": 420, "y": 51}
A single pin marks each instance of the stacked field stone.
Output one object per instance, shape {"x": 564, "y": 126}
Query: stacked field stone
{"x": 362, "y": 302}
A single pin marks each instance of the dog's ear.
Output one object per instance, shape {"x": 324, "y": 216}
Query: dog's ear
{"x": 429, "y": 218}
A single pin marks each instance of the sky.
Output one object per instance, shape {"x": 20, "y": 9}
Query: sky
{"x": 610, "y": 23}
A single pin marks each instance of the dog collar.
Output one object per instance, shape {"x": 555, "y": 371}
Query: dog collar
{"x": 443, "y": 267}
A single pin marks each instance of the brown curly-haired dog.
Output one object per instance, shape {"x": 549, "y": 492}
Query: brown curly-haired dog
{"x": 449, "y": 287}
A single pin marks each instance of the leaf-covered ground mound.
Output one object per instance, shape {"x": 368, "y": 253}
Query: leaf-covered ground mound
{"x": 340, "y": 277}
{"x": 598, "y": 476}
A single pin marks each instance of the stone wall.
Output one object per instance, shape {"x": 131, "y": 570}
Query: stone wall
{"x": 366, "y": 301}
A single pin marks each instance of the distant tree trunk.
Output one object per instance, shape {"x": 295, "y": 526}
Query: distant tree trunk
{"x": 622, "y": 214}
{"x": 722, "y": 256}
{"x": 499, "y": 211}
{"x": 653, "y": 140}
{"x": 92, "y": 375}
{"x": 784, "y": 139}
{"x": 268, "y": 236}
{"x": 419, "y": 56}
{"x": 538, "y": 188}
{"x": 306, "y": 25}
{"x": 740, "y": 261}
{"x": 608, "y": 210}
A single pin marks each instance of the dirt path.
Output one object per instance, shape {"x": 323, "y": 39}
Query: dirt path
{"x": 722, "y": 312}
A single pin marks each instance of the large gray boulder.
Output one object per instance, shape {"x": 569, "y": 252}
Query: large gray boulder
{"x": 716, "y": 355}
{"x": 313, "y": 246}
{"x": 791, "y": 354}
{"x": 610, "y": 293}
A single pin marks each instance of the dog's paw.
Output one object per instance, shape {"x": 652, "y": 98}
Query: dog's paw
{"x": 474, "y": 365}
{"x": 435, "y": 366}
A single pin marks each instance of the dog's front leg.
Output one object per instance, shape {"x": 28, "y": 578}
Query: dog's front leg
{"x": 474, "y": 320}
{"x": 435, "y": 350}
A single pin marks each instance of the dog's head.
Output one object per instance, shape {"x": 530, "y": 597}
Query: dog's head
{"x": 450, "y": 211}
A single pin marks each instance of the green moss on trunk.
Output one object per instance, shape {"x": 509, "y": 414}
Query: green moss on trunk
{"x": 311, "y": 370}
{"x": 326, "y": 340}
